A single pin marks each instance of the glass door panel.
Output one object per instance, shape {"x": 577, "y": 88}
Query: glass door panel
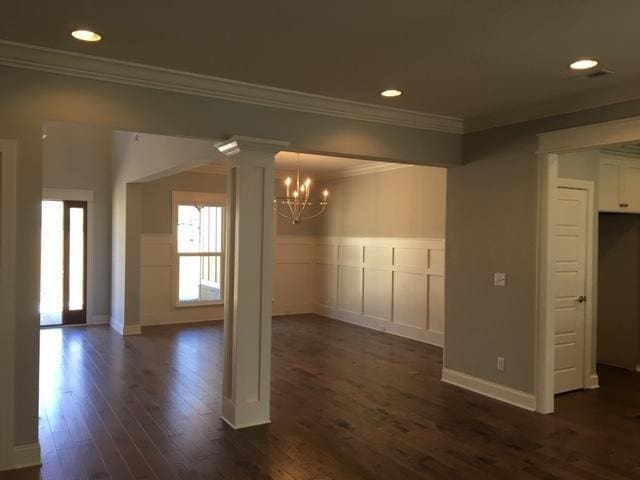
{"x": 63, "y": 263}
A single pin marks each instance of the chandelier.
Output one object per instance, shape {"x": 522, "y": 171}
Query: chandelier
{"x": 296, "y": 205}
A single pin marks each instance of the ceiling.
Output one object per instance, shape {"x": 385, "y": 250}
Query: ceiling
{"x": 462, "y": 58}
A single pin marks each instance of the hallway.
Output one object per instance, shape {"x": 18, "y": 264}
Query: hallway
{"x": 347, "y": 403}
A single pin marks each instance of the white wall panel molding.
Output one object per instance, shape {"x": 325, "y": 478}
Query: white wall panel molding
{"x": 60, "y": 62}
{"x": 293, "y": 274}
{"x": 391, "y": 284}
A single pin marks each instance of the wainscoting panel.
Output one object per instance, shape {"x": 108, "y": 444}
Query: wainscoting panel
{"x": 293, "y": 274}
{"x": 390, "y": 284}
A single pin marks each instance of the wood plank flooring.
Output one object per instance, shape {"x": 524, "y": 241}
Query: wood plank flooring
{"x": 347, "y": 403}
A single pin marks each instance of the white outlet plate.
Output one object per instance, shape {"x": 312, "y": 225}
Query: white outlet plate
{"x": 500, "y": 364}
{"x": 500, "y": 279}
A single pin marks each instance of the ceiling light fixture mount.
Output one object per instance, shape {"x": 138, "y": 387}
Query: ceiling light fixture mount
{"x": 85, "y": 35}
{"x": 583, "y": 64}
{"x": 390, "y": 93}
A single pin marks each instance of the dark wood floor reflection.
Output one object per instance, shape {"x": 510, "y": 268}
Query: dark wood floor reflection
{"x": 347, "y": 403}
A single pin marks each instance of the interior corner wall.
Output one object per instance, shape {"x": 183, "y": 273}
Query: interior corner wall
{"x": 619, "y": 291}
{"x": 492, "y": 226}
{"x": 407, "y": 202}
{"x": 77, "y": 156}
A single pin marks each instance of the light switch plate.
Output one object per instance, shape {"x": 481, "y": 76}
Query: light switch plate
{"x": 500, "y": 279}
{"x": 500, "y": 364}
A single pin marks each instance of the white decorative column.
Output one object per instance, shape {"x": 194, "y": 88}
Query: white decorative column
{"x": 248, "y": 280}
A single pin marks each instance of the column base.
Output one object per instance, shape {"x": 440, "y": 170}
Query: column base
{"x": 251, "y": 416}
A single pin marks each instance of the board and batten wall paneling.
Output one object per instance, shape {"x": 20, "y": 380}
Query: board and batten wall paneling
{"x": 157, "y": 302}
{"x": 390, "y": 284}
{"x": 293, "y": 275}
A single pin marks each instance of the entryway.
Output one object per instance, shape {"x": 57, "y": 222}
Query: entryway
{"x": 63, "y": 270}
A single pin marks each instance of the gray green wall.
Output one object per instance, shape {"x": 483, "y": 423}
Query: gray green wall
{"x": 619, "y": 290}
{"x": 30, "y": 98}
{"x": 492, "y": 226}
{"x": 79, "y": 157}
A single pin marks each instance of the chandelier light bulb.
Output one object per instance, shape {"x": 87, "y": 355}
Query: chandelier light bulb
{"x": 295, "y": 194}
{"x": 307, "y": 182}
{"x": 325, "y": 193}
{"x": 302, "y": 188}
{"x": 287, "y": 181}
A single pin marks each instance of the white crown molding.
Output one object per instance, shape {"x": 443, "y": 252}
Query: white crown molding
{"x": 373, "y": 167}
{"x": 49, "y": 60}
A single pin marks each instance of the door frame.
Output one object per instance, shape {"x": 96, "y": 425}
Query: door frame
{"x": 550, "y": 144}
{"x": 8, "y": 202}
{"x": 77, "y": 195}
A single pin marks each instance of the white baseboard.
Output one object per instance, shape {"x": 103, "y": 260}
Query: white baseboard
{"x": 594, "y": 381}
{"x": 292, "y": 309}
{"x": 125, "y": 329}
{"x": 489, "y": 389}
{"x": 380, "y": 324}
{"x": 26, "y": 456}
{"x": 99, "y": 320}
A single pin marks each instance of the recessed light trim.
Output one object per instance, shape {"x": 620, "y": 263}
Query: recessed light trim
{"x": 391, "y": 93}
{"x": 86, "y": 35}
{"x": 583, "y": 64}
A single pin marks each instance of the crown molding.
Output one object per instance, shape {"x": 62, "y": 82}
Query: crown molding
{"x": 60, "y": 62}
{"x": 374, "y": 167}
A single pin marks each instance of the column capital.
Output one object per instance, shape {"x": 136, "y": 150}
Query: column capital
{"x": 238, "y": 143}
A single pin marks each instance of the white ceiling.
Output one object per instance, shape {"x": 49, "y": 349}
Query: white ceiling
{"x": 462, "y": 58}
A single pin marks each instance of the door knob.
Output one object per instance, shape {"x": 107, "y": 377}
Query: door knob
{"x": 581, "y": 299}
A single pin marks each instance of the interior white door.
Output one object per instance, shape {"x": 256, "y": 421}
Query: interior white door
{"x": 570, "y": 286}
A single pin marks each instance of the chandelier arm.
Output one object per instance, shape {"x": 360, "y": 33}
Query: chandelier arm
{"x": 316, "y": 214}
{"x": 283, "y": 215}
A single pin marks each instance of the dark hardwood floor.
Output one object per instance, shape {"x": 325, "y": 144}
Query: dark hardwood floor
{"x": 347, "y": 403}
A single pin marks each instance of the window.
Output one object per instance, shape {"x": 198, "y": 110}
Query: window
{"x": 199, "y": 234}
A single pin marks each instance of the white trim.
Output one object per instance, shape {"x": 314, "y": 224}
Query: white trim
{"x": 8, "y": 176}
{"x": 496, "y": 391}
{"x": 381, "y": 325}
{"x": 43, "y": 59}
{"x": 125, "y": 329}
{"x": 594, "y": 382}
{"x": 79, "y": 195}
{"x": 27, "y": 456}
{"x": 597, "y": 135}
{"x": 189, "y": 198}
{"x": 367, "y": 169}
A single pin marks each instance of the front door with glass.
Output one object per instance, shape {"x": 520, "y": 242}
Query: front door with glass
{"x": 63, "y": 285}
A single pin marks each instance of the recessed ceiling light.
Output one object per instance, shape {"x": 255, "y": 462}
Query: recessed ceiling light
{"x": 86, "y": 35}
{"x": 391, "y": 93}
{"x": 583, "y": 64}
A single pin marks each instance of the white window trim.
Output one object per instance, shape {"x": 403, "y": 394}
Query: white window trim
{"x": 191, "y": 198}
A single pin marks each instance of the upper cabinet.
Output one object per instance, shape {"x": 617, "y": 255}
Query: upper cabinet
{"x": 619, "y": 183}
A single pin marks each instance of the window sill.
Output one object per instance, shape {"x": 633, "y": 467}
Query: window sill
{"x": 198, "y": 304}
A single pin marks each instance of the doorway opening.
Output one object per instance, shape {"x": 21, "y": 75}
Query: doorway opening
{"x": 63, "y": 270}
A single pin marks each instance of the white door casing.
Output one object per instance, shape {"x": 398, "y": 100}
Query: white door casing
{"x": 570, "y": 239}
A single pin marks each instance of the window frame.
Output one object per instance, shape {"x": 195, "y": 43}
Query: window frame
{"x": 179, "y": 198}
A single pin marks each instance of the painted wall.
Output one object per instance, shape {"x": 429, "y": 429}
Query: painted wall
{"x": 29, "y": 98}
{"x": 79, "y": 157}
{"x": 619, "y": 290}
{"x": 406, "y": 202}
{"x": 492, "y": 226}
